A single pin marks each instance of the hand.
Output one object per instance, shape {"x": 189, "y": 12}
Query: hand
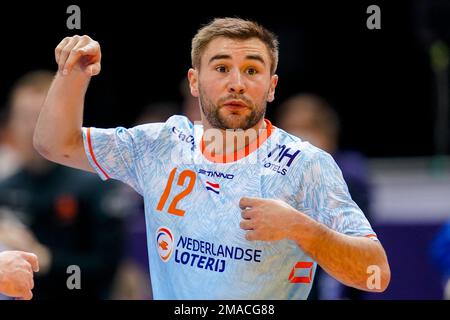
{"x": 16, "y": 236}
{"x": 267, "y": 219}
{"x": 79, "y": 53}
{"x": 16, "y": 273}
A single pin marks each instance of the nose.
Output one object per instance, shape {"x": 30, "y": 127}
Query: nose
{"x": 236, "y": 83}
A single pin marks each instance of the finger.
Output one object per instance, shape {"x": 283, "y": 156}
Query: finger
{"x": 246, "y": 225}
{"x": 94, "y": 69}
{"x": 26, "y": 267}
{"x": 66, "y": 51}
{"x": 59, "y": 48}
{"x": 32, "y": 260}
{"x": 251, "y": 235}
{"x": 92, "y": 48}
{"x": 247, "y": 213}
{"x": 248, "y": 202}
{"x": 28, "y": 295}
{"x": 76, "y": 53}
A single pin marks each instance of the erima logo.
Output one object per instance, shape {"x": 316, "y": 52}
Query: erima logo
{"x": 216, "y": 174}
{"x": 164, "y": 243}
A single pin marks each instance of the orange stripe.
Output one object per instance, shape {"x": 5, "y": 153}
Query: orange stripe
{"x": 239, "y": 154}
{"x": 371, "y": 236}
{"x": 91, "y": 151}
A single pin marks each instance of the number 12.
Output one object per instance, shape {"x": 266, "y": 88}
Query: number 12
{"x": 181, "y": 179}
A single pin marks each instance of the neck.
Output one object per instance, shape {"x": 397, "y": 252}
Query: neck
{"x": 220, "y": 141}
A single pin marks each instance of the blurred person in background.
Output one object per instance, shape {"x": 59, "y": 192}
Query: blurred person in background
{"x": 311, "y": 118}
{"x": 62, "y": 215}
{"x": 9, "y": 159}
{"x": 440, "y": 256}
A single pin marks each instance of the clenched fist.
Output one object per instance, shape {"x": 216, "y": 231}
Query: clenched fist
{"x": 268, "y": 219}
{"x": 16, "y": 273}
{"x": 78, "y": 53}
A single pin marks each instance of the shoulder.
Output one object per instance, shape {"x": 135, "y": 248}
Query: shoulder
{"x": 146, "y": 136}
{"x": 306, "y": 153}
{"x": 304, "y": 162}
{"x": 174, "y": 124}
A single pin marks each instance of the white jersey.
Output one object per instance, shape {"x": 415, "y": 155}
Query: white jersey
{"x": 195, "y": 245}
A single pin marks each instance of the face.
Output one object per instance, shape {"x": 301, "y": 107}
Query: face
{"x": 301, "y": 122}
{"x": 233, "y": 83}
{"x": 26, "y": 105}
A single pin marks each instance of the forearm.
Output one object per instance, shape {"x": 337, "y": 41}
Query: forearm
{"x": 344, "y": 257}
{"x": 60, "y": 121}
{"x": 2, "y": 280}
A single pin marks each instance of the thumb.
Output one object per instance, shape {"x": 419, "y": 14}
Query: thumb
{"x": 32, "y": 260}
{"x": 89, "y": 49}
{"x": 93, "y": 69}
{"x": 28, "y": 295}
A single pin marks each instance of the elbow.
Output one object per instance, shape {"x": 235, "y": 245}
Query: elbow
{"x": 375, "y": 278}
{"x": 379, "y": 278}
{"x": 379, "y": 273}
{"x": 385, "y": 278}
{"x": 54, "y": 148}
{"x": 40, "y": 147}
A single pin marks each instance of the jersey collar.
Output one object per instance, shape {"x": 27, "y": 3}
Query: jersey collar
{"x": 264, "y": 134}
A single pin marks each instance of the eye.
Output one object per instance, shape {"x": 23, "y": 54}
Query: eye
{"x": 252, "y": 71}
{"x": 221, "y": 69}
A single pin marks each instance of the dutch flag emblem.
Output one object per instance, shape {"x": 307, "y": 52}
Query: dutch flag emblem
{"x": 214, "y": 187}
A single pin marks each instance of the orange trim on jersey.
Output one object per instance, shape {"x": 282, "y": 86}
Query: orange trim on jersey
{"x": 371, "y": 236}
{"x": 237, "y": 155}
{"x": 91, "y": 151}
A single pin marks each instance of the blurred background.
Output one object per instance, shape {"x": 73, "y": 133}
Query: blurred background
{"x": 377, "y": 100}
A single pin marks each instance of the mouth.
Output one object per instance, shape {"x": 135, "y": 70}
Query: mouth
{"x": 235, "y": 104}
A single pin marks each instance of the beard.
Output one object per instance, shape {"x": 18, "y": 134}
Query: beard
{"x": 219, "y": 118}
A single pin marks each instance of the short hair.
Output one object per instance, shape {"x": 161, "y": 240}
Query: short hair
{"x": 233, "y": 28}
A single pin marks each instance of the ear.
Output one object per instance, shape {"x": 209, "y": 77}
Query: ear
{"x": 193, "y": 82}
{"x": 273, "y": 84}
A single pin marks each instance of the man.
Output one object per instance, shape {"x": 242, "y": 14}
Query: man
{"x": 235, "y": 208}
{"x": 58, "y": 213}
{"x": 16, "y": 273}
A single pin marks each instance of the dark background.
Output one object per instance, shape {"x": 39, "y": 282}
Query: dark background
{"x": 380, "y": 81}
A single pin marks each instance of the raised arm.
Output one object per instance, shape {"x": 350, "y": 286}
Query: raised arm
{"x": 58, "y": 135}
